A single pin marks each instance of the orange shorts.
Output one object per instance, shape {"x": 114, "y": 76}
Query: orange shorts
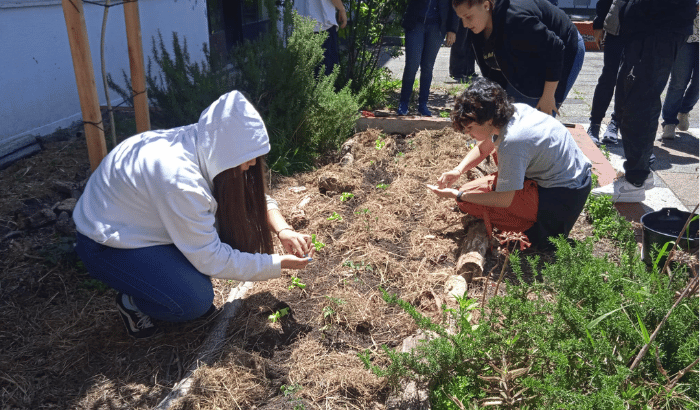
{"x": 518, "y": 217}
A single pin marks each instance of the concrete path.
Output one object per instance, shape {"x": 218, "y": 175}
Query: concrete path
{"x": 676, "y": 166}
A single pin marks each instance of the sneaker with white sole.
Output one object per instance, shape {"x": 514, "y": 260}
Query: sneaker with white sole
{"x": 622, "y": 190}
{"x": 610, "y": 134}
{"x": 683, "y": 122}
{"x": 137, "y": 323}
{"x": 669, "y": 132}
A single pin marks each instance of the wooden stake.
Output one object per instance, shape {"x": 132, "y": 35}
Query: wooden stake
{"x": 138, "y": 75}
{"x": 85, "y": 80}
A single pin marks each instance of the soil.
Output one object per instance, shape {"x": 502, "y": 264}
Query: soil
{"x": 63, "y": 345}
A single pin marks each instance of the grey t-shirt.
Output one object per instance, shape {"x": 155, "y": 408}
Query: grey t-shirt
{"x": 537, "y": 146}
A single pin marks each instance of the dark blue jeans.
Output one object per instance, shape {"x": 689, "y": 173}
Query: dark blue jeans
{"x": 646, "y": 66}
{"x": 605, "y": 89}
{"x": 161, "y": 281}
{"x": 462, "y": 60}
{"x": 683, "y": 74}
{"x": 518, "y": 97}
{"x": 331, "y": 56}
{"x": 422, "y": 46}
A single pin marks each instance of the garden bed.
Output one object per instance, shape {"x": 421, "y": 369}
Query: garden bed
{"x": 62, "y": 344}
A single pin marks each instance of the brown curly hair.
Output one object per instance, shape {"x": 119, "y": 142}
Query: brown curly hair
{"x": 484, "y": 100}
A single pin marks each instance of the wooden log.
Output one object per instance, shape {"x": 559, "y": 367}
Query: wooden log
{"x": 85, "y": 80}
{"x": 138, "y": 74}
{"x": 16, "y": 148}
{"x": 472, "y": 251}
{"x": 412, "y": 395}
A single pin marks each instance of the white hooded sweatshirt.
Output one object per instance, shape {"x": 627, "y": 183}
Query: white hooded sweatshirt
{"x": 155, "y": 188}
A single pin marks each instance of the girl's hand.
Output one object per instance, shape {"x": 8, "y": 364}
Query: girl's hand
{"x": 449, "y": 193}
{"x": 450, "y": 38}
{"x": 547, "y": 105}
{"x": 293, "y": 262}
{"x": 296, "y": 243}
{"x": 448, "y": 178}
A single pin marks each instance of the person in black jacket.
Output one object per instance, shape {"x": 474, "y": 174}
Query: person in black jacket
{"x": 530, "y": 47}
{"x": 426, "y": 22}
{"x": 653, "y": 33}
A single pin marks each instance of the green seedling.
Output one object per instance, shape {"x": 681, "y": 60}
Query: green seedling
{"x": 346, "y": 196}
{"x": 379, "y": 143}
{"x": 357, "y": 265}
{"x": 444, "y": 114}
{"x": 604, "y": 149}
{"x": 278, "y": 315}
{"x": 334, "y": 217}
{"x": 328, "y": 311}
{"x": 382, "y": 186}
{"x": 296, "y": 283}
{"x": 317, "y": 244}
{"x": 471, "y": 146}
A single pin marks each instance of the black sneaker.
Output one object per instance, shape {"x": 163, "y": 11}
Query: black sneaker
{"x": 610, "y": 134}
{"x": 137, "y": 324}
{"x": 593, "y": 132}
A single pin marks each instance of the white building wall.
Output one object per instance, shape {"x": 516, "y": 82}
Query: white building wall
{"x": 38, "y": 92}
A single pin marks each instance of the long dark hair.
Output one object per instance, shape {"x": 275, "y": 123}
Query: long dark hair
{"x": 242, "y": 208}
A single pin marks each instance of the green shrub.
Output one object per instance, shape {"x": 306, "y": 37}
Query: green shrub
{"x": 564, "y": 342}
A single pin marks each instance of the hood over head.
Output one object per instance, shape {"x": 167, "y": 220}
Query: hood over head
{"x": 229, "y": 132}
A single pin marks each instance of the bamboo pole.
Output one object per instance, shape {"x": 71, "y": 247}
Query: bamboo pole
{"x": 85, "y": 80}
{"x": 138, "y": 75}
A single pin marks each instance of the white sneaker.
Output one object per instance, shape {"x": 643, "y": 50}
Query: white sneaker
{"x": 669, "y": 132}
{"x": 683, "y": 123}
{"x": 623, "y": 191}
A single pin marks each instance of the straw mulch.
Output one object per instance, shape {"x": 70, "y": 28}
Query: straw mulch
{"x": 63, "y": 346}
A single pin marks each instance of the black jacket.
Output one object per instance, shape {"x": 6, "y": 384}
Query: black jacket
{"x": 649, "y": 17}
{"x": 448, "y": 17}
{"x": 534, "y": 42}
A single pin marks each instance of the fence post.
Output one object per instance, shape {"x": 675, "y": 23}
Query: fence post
{"x": 138, "y": 76}
{"x": 85, "y": 80}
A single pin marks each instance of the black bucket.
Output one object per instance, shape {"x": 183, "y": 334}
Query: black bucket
{"x": 663, "y": 226}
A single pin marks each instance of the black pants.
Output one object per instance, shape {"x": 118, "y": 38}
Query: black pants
{"x": 646, "y": 66}
{"x": 331, "y": 55}
{"x": 557, "y": 211}
{"x": 461, "y": 54}
{"x": 605, "y": 89}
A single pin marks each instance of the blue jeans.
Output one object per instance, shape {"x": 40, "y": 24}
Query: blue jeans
{"x": 646, "y": 66}
{"x": 422, "y": 46}
{"x": 683, "y": 74}
{"x": 605, "y": 89}
{"x": 518, "y": 97}
{"x": 161, "y": 281}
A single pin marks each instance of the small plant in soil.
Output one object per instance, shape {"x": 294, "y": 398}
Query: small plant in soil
{"x": 358, "y": 265}
{"x": 379, "y": 143}
{"x": 296, "y": 283}
{"x": 346, "y": 196}
{"x": 382, "y": 186}
{"x": 335, "y": 217}
{"x": 317, "y": 244}
{"x": 278, "y": 315}
{"x": 444, "y": 114}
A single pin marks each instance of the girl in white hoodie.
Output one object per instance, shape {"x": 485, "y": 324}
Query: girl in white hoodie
{"x": 168, "y": 210}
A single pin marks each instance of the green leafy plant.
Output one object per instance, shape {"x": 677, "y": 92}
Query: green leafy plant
{"x": 382, "y": 186}
{"x": 444, "y": 114}
{"x": 606, "y": 152}
{"x": 358, "y": 265}
{"x": 318, "y": 245}
{"x": 296, "y": 283}
{"x": 379, "y": 143}
{"x": 346, "y": 196}
{"x": 335, "y": 217}
{"x": 278, "y": 315}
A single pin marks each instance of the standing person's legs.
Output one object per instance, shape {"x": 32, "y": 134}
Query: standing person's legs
{"x": 414, "y": 52}
{"x": 646, "y": 65}
{"x": 161, "y": 281}
{"x": 691, "y": 93}
{"x": 681, "y": 74}
{"x": 458, "y": 54}
{"x": 331, "y": 56}
{"x": 605, "y": 89}
{"x": 432, "y": 42}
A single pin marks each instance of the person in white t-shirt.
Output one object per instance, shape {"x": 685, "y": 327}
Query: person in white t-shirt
{"x": 166, "y": 211}
{"x": 324, "y": 12}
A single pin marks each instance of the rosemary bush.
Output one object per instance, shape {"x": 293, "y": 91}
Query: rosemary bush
{"x": 567, "y": 341}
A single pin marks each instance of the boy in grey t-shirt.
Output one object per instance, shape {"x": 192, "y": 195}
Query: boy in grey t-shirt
{"x": 543, "y": 178}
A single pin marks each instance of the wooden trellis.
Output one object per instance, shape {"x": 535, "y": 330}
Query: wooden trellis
{"x": 85, "y": 76}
